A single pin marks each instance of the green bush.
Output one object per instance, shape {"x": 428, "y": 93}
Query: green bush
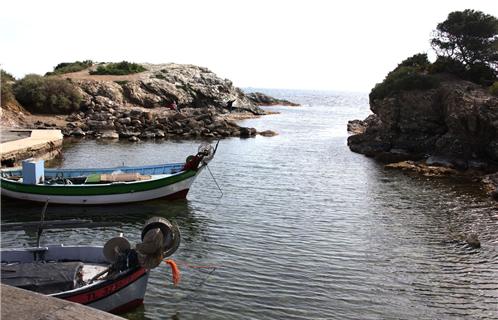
{"x": 477, "y": 72}
{"x": 494, "y": 89}
{"x": 480, "y": 73}
{"x": 6, "y": 88}
{"x": 447, "y": 65}
{"x": 67, "y": 67}
{"x": 47, "y": 95}
{"x": 418, "y": 61}
{"x": 120, "y": 68}
{"x": 403, "y": 78}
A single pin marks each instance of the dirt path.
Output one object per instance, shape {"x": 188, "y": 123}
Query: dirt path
{"x": 85, "y": 75}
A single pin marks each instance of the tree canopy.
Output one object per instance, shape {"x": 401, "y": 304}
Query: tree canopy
{"x": 469, "y": 37}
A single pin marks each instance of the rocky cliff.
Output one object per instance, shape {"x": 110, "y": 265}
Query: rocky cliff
{"x": 453, "y": 125}
{"x": 457, "y": 121}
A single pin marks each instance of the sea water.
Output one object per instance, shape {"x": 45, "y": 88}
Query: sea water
{"x": 305, "y": 229}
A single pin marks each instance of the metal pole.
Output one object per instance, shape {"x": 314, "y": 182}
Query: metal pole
{"x": 40, "y": 226}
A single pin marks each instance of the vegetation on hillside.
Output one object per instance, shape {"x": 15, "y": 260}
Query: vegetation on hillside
{"x": 410, "y": 74}
{"x": 67, "y": 67}
{"x": 466, "y": 44}
{"x": 47, "y": 95}
{"x": 119, "y": 68}
{"x": 7, "y": 80}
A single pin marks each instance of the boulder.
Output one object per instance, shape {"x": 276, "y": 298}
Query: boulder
{"x": 247, "y": 132}
{"x": 77, "y": 132}
{"x": 109, "y": 135}
{"x": 267, "y": 133}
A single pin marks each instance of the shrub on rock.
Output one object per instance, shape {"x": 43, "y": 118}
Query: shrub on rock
{"x": 67, "y": 67}
{"x": 120, "y": 68}
{"x": 410, "y": 74}
{"x": 47, "y": 95}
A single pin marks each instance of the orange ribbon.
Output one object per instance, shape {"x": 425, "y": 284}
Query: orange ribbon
{"x": 175, "y": 271}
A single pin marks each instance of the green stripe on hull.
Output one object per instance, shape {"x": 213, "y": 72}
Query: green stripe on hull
{"x": 95, "y": 190}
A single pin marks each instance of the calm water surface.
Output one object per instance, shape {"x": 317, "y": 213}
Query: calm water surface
{"x": 306, "y": 229}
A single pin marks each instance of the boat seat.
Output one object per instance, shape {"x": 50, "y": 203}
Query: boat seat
{"x": 42, "y": 277}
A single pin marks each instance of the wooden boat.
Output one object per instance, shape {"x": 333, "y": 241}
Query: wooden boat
{"x": 104, "y": 186}
{"x": 112, "y": 278}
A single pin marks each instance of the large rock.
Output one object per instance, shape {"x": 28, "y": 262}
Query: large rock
{"x": 456, "y": 121}
{"x": 261, "y": 99}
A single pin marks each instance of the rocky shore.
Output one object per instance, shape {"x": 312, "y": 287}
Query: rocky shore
{"x": 165, "y": 101}
{"x": 451, "y": 129}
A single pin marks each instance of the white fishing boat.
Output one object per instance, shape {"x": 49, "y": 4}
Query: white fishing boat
{"x": 97, "y": 186}
{"x": 111, "y": 278}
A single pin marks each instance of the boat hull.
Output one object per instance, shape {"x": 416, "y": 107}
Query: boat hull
{"x": 174, "y": 187}
{"x": 117, "y": 296}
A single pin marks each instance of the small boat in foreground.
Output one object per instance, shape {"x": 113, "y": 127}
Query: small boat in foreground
{"x": 112, "y": 278}
{"x": 104, "y": 186}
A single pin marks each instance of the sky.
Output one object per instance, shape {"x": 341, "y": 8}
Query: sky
{"x": 311, "y": 44}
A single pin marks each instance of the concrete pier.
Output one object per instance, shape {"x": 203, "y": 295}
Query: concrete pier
{"x": 41, "y": 144}
{"x": 22, "y": 304}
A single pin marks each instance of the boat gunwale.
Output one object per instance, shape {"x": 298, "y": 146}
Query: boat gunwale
{"x": 52, "y": 170}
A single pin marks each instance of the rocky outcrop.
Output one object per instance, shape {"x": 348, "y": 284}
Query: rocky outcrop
{"x": 261, "y": 99}
{"x": 451, "y": 129}
{"x": 167, "y": 100}
{"x": 359, "y": 126}
{"x": 162, "y": 84}
{"x": 421, "y": 168}
{"x": 456, "y": 122}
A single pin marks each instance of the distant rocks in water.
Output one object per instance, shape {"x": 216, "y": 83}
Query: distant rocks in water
{"x": 261, "y": 99}
{"x": 472, "y": 240}
{"x": 267, "y": 133}
{"x": 490, "y": 183}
